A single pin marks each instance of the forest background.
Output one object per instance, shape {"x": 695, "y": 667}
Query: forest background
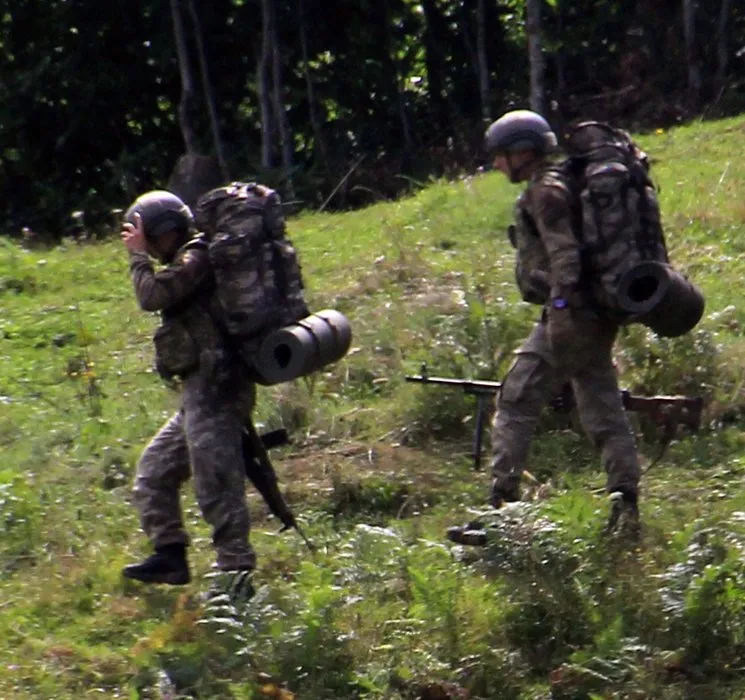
{"x": 337, "y": 104}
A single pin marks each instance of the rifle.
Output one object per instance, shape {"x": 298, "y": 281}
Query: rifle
{"x": 667, "y": 411}
{"x": 260, "y": 472}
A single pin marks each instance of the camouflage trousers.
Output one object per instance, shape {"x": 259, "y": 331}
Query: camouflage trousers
{"x": 536, "y": 377}
{"x": 202, "y": 440}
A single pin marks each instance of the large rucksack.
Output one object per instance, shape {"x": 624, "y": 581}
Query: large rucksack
{"x": 259, "y": 285}
{"x": 624, "y": 256}
{"x": 618, "y": 215}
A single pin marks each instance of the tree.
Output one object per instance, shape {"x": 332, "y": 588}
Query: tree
{"x": 315, "y": 120}
{"x": 194, "y": 173}
{"x": 208, "y": 92}
{"x": 97, "y": 100}
{"x": 693, "y": 52}
{"x": 188, "y": 105}
{"x": 435, "y": 40}
{"x": 278, "y": 102}
{"x": 264, "y": 82}
{"x": 483, "y": 59}
{"x": 725, "y": 10}
{"x": 533, "y": 10}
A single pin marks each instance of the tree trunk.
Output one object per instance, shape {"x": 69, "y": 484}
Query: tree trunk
{"x": 722, "y": 42}
{"x": 208, "y": 93}
{"x": 535, "y": 55}
{"x": 483, "y": 61}
{"x": 561, "y": 80}
{"x": 315, "y": 121}
{"x": 265, "y": 88}
{"x": 187, "y": 105}
{"x": 470, "y": 50}
{"x": 434, "y": 64}
{"x": 693, "y": 57}
{"x": 280, "y": 113}
{"x": 389, "y": 53}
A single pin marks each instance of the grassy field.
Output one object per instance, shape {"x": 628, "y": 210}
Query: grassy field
{"x": 378, "y": 469}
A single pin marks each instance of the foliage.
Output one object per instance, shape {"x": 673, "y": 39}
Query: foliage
{"x": 379, "y": 97}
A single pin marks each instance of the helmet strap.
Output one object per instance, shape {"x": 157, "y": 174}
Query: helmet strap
{"x": 517, "y": 172}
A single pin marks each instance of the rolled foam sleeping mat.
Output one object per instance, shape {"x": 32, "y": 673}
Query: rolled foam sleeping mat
{"x": 642, "y": 287}
{"x": 303, "y": 347}
{"x": 661, "y": 298}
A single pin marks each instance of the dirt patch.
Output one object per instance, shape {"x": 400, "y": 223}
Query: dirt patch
{"x": 355, "y": 477}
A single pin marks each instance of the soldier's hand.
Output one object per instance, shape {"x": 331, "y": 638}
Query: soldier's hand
{"x": 562, "y": 333}
{"x": 133, "y": 236}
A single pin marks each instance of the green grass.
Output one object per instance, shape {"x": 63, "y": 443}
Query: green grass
{"x": 378, "y": 469}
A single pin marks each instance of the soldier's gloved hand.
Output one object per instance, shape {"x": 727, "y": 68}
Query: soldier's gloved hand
{"x": 133, "y": 235}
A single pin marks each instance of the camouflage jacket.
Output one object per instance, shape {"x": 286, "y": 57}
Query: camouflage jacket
{"x": 548, "y": 260}
{"x": 184, "y": 278}
{"x": 182, "y": 292}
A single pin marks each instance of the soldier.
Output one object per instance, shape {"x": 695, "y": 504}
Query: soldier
{"x": 203, "y": 438}
{"x": 574, "y": 338}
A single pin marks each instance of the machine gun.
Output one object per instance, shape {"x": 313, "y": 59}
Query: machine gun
{"x": 666, "y": 411}
{"x": 260, "y": 472}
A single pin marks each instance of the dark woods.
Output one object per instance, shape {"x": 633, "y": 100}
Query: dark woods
{"x": 337, "y": 104}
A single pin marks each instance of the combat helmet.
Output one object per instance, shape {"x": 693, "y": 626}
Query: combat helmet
{"x": 520, "y": 130}
{"x": 161, "y": 211}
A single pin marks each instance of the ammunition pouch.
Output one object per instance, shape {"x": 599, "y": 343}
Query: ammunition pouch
{"x": 176, "y": 352}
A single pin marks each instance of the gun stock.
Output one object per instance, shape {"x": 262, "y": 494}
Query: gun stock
{"x": 261, "y": 474}
{"x": 668, "y": 411}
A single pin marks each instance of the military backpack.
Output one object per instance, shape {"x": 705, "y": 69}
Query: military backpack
{"x": 259, "y": 284}
{"x": 617, "y": 213}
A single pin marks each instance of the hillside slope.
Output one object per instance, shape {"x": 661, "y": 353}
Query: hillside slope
{"x": 378, "y": 468}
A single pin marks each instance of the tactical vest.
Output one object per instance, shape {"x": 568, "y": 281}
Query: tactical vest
{"x": 531, "y": 260}
{"x": 187, "y": 329}
{"x": 532, "y": 264}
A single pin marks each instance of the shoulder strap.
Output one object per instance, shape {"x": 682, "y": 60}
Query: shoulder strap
{"x": 199, "y": 241}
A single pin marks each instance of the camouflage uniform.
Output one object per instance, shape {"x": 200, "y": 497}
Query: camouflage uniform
{"x": 549, "y": 266}
{"x": 204, "y": 437}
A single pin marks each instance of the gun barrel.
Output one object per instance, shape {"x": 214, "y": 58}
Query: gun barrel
{"x": 483, "y": 390}
{"x": 468, "y": 385}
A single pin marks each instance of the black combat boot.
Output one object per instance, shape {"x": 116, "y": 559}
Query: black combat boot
{"x": 167, "y": 565}
{"x": 473, "y": 533}
{"x": 623, "y": 522}
{"x": 499, "y": 496}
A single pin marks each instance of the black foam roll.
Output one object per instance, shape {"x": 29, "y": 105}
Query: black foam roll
{"x": 303, "y": 347}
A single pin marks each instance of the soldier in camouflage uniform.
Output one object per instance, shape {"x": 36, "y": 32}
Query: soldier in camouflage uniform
{"x": 574, "y": 339}
{"x": 203, "y": 439}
